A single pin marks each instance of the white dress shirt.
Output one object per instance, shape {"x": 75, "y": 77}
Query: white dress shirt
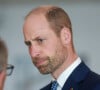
{"x": 64, "y": 76}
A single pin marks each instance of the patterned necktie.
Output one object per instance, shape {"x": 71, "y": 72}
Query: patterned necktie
{"x": 54, "y": 85}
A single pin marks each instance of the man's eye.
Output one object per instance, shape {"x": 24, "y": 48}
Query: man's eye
{"x": 40, "y": 40}
{"x": 28, "y": 43}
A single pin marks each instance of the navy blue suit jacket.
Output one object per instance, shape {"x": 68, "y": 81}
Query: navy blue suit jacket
{"x": 82, "y": 78}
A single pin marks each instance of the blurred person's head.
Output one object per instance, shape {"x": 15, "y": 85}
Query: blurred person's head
{"x": 3, "y": 62}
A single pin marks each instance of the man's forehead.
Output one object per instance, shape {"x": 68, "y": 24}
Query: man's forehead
{"x": 36, "y": 34}
{"x": 35, "y": 16}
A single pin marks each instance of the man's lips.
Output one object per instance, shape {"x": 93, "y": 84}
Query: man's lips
{"x": 40, "y": 62}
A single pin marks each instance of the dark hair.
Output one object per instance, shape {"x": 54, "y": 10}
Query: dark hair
{"x": 3, "y": 54}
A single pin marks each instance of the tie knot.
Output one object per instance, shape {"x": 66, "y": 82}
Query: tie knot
{"x": 54, "y": 85}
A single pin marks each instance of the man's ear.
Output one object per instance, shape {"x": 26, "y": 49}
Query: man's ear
{"x": 65, "y": 36}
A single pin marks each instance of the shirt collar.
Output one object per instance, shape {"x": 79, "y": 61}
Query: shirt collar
{"x": 64, "y": 76}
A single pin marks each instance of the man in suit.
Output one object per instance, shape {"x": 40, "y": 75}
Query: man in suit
{"x": 48, "y": 34}
{"x": 3, "y": 64}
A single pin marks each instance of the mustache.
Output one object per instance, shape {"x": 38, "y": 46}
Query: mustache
{"x": 36, "y": 59}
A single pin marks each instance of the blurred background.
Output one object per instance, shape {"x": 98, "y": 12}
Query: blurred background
{"x": 85, "y": 17}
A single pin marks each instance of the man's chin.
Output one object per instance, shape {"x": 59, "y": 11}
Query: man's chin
{"x": 43, "y": 70}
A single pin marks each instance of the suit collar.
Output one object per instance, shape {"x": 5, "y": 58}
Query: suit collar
{"x": 75, "y": 79}
{"x": 77, "y": 76}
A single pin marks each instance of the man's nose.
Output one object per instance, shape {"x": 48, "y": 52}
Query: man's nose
{"x": 34, "y": 51}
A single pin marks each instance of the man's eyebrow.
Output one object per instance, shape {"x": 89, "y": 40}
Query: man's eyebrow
{"x": 28, "y": 43}
{"x": 36, "y": 38}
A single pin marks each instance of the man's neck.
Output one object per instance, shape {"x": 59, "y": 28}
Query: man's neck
{"x": 64, "y": 66}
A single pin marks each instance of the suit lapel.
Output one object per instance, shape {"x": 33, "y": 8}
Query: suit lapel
{"x": 76, "y": 78}
{"x": 48, "y": 87}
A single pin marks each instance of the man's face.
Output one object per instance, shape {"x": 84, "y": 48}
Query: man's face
{"x": 45, "y": 48}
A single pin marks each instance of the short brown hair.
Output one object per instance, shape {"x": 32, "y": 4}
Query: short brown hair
{"x": 56, "y": 17}
{"x": 3, "y": 54}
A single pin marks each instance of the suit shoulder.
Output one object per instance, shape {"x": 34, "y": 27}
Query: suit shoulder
{"x": 91, "y": 82}
{"x": 93, "y": 77}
